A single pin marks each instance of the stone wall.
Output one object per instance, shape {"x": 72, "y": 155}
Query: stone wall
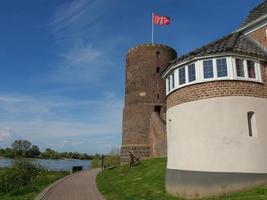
{"x": 158, "y": 136}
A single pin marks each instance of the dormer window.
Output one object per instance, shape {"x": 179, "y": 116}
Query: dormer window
{"x": 208, "y": 69}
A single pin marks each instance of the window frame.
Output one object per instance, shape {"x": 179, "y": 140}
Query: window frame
{"x": 227, "y": 68}
{"x": 235, "y": 67}
{"x": 213, "y": 70}
{"x": 195, "y": 67}
{"x": 258, "y": 75}
{"x": 199, "y": 71}
{"x": 185, "y": 82}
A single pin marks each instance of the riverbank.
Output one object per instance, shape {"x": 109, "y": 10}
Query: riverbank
{"x": 24, "y": 181}
{"x": 52, "y": 165}
{"x": 147, "y": 182}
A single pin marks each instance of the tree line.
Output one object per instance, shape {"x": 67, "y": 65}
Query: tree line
{"x": 25, "y": 149}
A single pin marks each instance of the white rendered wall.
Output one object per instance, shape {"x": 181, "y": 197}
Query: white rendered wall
{"x": 212, "y": 135}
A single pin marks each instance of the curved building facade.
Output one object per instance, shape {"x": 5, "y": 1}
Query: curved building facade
{"x": 217, "y": 116}
{"x": 144, "y": 126}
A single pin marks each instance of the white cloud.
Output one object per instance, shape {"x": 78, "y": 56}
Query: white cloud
{"x": 5, "y": 134}
{"x": 82, "y": 55}
{"x": 47, "y": 121}
{"x": 70, "y": 13}
{"x": 83, "y": 63}
{"x": 85, "y": 57}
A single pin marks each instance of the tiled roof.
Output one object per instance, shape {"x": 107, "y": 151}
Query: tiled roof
{"x": 256, "y": 13}
{"x": 233, "y": 43}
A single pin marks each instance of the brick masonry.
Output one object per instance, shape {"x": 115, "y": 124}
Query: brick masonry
{"x": 219, "y": 89}
{"x": 260, "y": 36}
{"x": 158, "y": 138}
{"x": 144, "y": 90}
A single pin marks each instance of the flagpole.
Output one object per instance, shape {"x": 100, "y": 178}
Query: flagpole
{"x": 152, "y": 28}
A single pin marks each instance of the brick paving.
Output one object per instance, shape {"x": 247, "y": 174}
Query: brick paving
{"x": 79, "y": 186}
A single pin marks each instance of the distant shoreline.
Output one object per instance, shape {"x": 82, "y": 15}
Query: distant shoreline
{"x": 1, "y": 157}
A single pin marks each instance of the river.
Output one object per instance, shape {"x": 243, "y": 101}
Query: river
{"x": 52, "y": 165}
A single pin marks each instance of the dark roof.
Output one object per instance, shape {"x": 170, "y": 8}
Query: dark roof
{"x": 233, "y": 43}
{"x": 256, "y": 13}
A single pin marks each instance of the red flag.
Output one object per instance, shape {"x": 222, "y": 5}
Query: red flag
{"x": 161, "y": 20}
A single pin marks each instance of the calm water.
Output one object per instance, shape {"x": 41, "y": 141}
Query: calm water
{"x": 53, "y": 165}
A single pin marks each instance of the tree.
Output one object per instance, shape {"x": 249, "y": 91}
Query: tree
{"x": 21, "y": 146}
{"x": 34, "y": 151}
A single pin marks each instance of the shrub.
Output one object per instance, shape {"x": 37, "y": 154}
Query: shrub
{"x": 20, "y": 174}
{"x": 96, "y": 163}
{"x": 112, "y": 161}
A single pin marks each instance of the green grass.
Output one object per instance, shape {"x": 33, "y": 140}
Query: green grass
{"x": 30, "y": 191}
{"x": 147, "y": 182}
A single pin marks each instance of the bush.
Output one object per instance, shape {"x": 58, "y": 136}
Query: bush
{"x": 112, "y": 161}
{"x": 96, "y": 163}
{"x": 20, "y": 174}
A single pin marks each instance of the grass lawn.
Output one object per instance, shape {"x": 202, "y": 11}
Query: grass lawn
{"x": 147, "y": 182}
{"x": 30, "y": 191}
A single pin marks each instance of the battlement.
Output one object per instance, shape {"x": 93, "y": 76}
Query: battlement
{"x": 149, "y": 45}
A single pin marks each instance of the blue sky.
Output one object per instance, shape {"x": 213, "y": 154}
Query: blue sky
{"x": 62, "y": 62}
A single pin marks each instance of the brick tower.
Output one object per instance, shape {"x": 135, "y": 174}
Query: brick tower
{"x": 144, "y": 126}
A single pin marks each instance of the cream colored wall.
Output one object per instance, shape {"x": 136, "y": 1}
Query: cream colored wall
{"x": 212, "y": 135}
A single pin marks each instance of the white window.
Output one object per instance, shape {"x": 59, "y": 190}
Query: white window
{"x": 172, "y": 81}
{"x": 182, "y": 76}
{"x": 212, "y": 69}
{"x": 191, "y": 72}
{"x": 168, "y": 84}
{"x": 251, "y": 69}
{"x": 221, "y": 67}
{"x": 247, "y": 69}
{"x": 208, "y": 69}
{"x": 239, "y": 66}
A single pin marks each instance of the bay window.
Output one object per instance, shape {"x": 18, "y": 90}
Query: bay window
{"x": 214, "y": 69}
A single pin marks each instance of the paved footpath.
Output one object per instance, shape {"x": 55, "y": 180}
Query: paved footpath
{"x": 78, "y": 186}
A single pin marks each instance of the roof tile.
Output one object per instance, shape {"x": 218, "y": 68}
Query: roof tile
{"x": 257, "y": 12}
{"x": 233, "y": 43}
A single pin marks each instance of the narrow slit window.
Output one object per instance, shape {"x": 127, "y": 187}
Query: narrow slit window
{"x": 157, "y": 109}
{"x": 252, "y": 127}
{"x": 158, "y": 69}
